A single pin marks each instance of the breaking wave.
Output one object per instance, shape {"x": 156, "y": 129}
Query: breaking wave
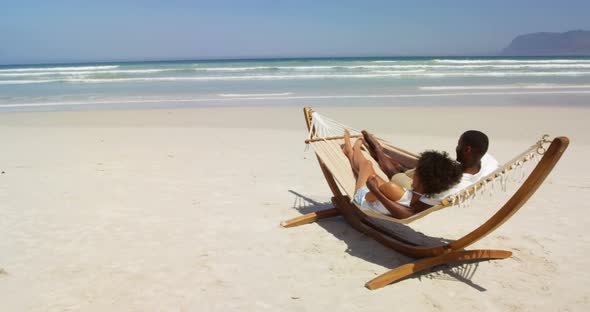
{"x": 72, "y": 68}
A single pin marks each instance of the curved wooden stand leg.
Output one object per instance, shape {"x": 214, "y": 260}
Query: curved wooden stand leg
{"x": 426, "y": 263}
{"x": 311, "y": 217}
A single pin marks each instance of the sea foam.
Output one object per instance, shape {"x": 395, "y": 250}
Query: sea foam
{"x": 246, "y": 80}
{"x": 505, "y": 87}
{"x": 453, "y": 61}
{"x": 58, "y": 68}
{"x": 303, "y": 97}
{"x": 369, "y": 75}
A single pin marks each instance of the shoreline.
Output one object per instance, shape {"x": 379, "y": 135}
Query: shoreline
{"x": 575, "y": 98}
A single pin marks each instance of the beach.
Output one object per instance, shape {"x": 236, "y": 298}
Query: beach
{"x": 179, "y": 209}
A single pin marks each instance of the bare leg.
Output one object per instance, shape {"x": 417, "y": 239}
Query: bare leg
{"x": 361, "y": 166}
{"x": 355, "y": 158}
{"x": 389, "y": 166}
{"x": 347, "y": 148}
{"x": 364, "y": 168}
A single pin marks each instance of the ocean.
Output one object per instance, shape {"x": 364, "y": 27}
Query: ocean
{"x": 303, "y": 81}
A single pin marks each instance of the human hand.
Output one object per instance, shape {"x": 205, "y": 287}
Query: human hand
{"x": 372, "y": 183}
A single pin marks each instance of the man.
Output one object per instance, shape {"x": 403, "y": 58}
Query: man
{"x": 471, "y": 154}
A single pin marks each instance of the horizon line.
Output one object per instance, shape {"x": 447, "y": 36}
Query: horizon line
{"x": 271, "y": 58}
{"x": 244, "y": 58}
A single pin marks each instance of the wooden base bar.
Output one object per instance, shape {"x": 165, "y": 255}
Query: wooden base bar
{"x": 311, "y": 217}
{"x": 427, "y": 263}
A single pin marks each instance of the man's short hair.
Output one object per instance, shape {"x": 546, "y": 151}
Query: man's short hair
{"x": 437, "y": 172}
{"x": 477, "y": 140}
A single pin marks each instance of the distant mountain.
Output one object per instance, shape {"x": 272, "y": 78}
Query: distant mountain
{"x": 576, "y": 42}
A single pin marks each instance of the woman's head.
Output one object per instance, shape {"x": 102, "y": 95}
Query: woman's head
{"x": 436, "y": 172}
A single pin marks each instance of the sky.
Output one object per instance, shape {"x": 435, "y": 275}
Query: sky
{"x": 41, "y": 31}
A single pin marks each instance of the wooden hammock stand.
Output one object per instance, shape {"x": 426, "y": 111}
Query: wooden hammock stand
{"x": 429, "y": 256}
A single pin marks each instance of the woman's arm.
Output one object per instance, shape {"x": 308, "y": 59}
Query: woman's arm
{"x": 397, "y": 211}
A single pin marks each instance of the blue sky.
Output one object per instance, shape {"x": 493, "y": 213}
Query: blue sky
{"x": 77, "y": 31}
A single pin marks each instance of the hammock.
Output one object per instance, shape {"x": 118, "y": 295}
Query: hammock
{"x": 325, "y": 138}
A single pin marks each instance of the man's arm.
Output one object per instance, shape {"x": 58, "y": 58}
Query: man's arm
{"x": 389, "y": 167}
{"x": 389, "y": 164}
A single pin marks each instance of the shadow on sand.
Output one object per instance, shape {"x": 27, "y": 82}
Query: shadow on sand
{"x": 364, "y": 247}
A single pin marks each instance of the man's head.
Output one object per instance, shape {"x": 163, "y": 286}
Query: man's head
{"x": 472, "y": 146}
{"x": 436, "y": 172}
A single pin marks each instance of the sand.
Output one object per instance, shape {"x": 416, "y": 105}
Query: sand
{"x": 179, "y": 210}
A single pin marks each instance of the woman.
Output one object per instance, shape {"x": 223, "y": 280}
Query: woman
{"x": 435, "y": 173}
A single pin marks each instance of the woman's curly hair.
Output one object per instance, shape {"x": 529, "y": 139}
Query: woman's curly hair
{"x": 437, "y": 172}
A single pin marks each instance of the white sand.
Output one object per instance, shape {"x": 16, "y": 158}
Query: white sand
{"x": 179, "y": 210}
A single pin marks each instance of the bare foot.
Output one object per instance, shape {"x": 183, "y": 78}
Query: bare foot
{"x": 357, "y": 156}
{"x": 373, "y": 145}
